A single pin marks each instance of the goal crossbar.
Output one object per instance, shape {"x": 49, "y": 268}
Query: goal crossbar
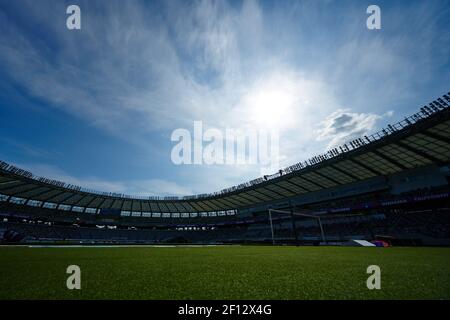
{"x": 295, "y": 214}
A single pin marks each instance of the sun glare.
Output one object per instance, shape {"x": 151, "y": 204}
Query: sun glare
{"x": 271, "y": 108}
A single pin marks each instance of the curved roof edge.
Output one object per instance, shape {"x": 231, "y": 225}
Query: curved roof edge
{"x": 432, "y": 110}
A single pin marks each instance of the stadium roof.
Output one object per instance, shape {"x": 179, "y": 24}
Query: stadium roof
{"x": 419, "y": 140}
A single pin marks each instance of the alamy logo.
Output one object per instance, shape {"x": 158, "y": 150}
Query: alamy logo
{"x": 74, "y": 280}
{"x": 226, "y": 147}
{"x": 73, "y": 21}
{"x": 374, "y": 20}
{"x": 374, "y": 280}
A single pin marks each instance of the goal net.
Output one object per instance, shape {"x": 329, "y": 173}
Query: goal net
{"x": 284, "y": 226}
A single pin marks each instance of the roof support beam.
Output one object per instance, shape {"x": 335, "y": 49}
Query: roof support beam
{"x": 67, "y": 198}
{"x": 7, "y": 180}
{"x": 76, "y": 204}
{"x": 290, "y": 186}
{"x": 264, "y": 195}
{"x": 101, "y": 204}
{"x": 193, "y": 207}
{"x": 112, "y": 203}
{"x": 270, "y": 191}
{"x": 371, "y": 170}
{"x": 312, "y": 182}
{"x": 182, "y": 209}
{"x": 236, "y": 202}
{"x": 159, "y": 208}
{"x": 28, "y": 198}
{"x": 202, "y": 207}
{"x": 21, "y": 184}
{"x": 284, "y": 188}
{"x": 327, "y": 178}
{"x": 183, "y": 204}
{"x": 4, "y": 183}
{"x": 173, "y": 205}
{"x": 131, "y": 206}
{"x": 48, "y": 199}
{"x": 123, "y": 204}
{"x": 149, "y": 208}
{"x": 31, "y": 199}
{"x": 88, "y": 204}
{"x": 436, "y": 136}
{"x": 218, "y": 204}
{"x": 40, "y": 194}
{"x": 348, "y": 174}
{"x": 226, "y": 202}
{"x": 248, "y": 197}
{"x": 205, "y": 204}
{"x": 419, "y": 152}
{"x": 298, "y": 186}
{"x": 389, "y": 159}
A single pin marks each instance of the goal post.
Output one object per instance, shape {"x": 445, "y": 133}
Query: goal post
{"x": 293, "y": 214}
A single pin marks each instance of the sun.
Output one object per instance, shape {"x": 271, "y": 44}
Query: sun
{"x": 281, "y": 101}
{"x": 271, "y": 108}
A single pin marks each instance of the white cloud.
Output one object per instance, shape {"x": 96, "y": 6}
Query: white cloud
{"x": 343, "y": 126}
{"x": 150, "y": 187}
{"x": 135, "y": 73}
{"x": 158, "y": 187}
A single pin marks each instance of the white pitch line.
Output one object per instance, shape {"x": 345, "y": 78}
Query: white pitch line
{"x": 115, "y": 246}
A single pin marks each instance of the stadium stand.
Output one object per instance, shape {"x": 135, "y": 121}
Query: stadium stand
{"x": 392, "y": 186}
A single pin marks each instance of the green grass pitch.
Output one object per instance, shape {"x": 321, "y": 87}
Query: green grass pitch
{"x": 224, "y": 272}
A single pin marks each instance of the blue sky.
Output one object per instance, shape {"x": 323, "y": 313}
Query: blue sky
{"x": 96, "y": 107}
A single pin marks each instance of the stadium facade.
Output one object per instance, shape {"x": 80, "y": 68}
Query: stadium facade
{"x": 392, "y": 185}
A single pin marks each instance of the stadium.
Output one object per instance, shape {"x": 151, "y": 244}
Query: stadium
{"x": 387, "y": 189}
{"x": 213, "y": 157}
